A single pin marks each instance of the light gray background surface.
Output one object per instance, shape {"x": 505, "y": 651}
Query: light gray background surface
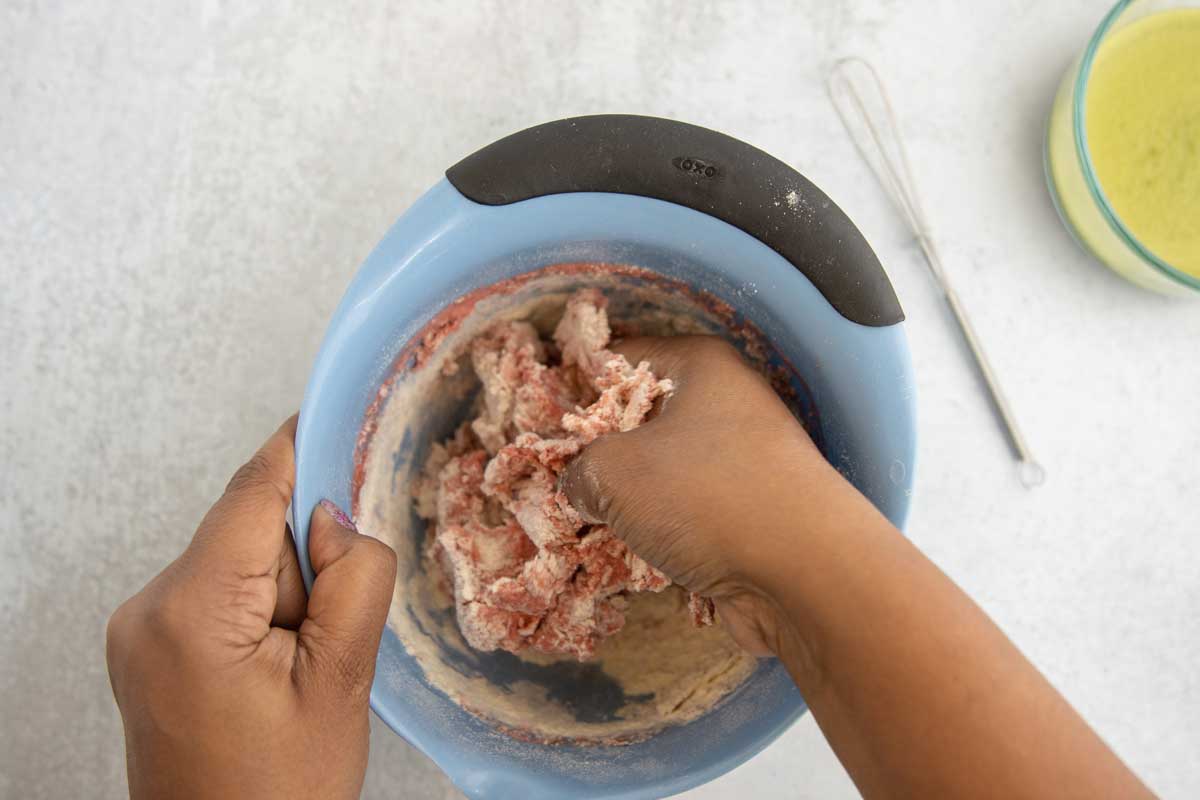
{"x": 185, "y": 190}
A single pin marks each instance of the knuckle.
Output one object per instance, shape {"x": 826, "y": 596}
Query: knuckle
{"x": 701, "y": 350}
{"x": 598, "y": 479}
{"x": 258, "y": 471}
{"x": 374, "y": 552}
{"x": 158, "y": 623}
{"x": 361, "y": 548}
{"x": 601, "y": 453}
{"x": 143, "y": 624}
{"x": 388, "y": 556}
{"x": 249, "y": 474}
{"x": 594, "y": 466}
{"x": 121, "y": 627}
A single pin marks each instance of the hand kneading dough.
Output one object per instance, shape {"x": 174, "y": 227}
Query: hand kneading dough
{"x": 525, "y": 570}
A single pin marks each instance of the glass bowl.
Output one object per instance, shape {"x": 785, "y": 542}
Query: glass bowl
{"x": 1074, "y": 186}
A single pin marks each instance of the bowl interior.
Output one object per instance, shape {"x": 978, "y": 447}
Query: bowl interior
{"x": 855, "y": 393}
{"x": 660, "y": 670}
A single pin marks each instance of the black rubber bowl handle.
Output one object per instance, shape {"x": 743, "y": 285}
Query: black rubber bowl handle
{"x": 702, "y": 170}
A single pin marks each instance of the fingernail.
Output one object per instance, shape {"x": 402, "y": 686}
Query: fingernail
{"x": 339, "y": 516}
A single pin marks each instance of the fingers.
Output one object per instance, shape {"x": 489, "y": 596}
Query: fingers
{"x": 609, "y": 467}
{"x": 661, "y": 352}
{"x": 291, "y": 599}
{"x": 244, "y": 530}
{"x": 598, "y": 475}
{"x": 675, "y": 356}
{"x": 708, "y": 372}
{"x": 348, "y": 606}
{"x": 689, "y": 361}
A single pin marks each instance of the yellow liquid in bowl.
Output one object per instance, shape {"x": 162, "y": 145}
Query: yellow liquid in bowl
{"x": 1142, "y": 118}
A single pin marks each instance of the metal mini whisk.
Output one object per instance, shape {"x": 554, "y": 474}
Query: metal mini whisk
{"x": 892, "y": 169}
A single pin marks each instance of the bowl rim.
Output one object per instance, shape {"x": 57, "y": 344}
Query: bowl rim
{"x": 1083, "y": 153}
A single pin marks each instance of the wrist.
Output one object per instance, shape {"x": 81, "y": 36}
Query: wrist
{"x": 762, "y": 626}
{"x": 789, "y": 509}
{"x": 798, "y": 557}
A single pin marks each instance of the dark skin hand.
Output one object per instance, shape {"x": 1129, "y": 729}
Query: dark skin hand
{"x": 233, "y": 685}
{"x": 918, "y": 692}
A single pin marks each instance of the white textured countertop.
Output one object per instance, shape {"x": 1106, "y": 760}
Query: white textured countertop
{"x": 185, "y": 193}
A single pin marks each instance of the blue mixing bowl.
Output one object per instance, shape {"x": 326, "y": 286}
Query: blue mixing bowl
{"x": 699, "y": 210}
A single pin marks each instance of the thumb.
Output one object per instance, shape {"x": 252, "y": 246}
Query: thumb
{"x": 347, "y": 606}
{"x": 599, "y": 475}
